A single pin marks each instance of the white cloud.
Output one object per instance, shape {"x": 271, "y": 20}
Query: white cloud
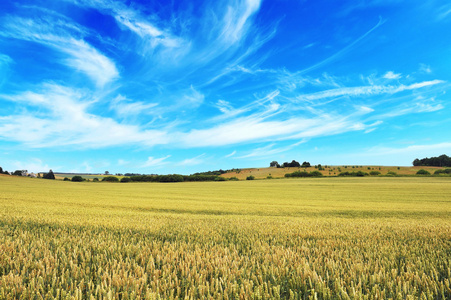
{"x": 126, "y": 107}
{"x": 414, "y": 150}
{"x": 134, "y": 21}
{"x": 366, "y": 90}
{"x": 193, "y": 161}
{"x": 63, "y": 120}
{"x": 122, "y": 162}
{"x": 85, "y": 58}
{"x": 155, "y": 162}
{"x": 269, "y": 150}
{"x": 231, "y": 154}
{"x": 365, "y": 109}
{"x": 266, "y": 104}
{"x": 4, "y": 60}
{"x": 425, "y": 69}
{"x": 392, "y": 75}
{"x": 87, "y": 167}
{"x": 444, "y": 12}
{"x": 60, "y": 36}
{"x": 344, "y": 50}
{"x": 235, "y": 20}
{"x": 34, "y": 165}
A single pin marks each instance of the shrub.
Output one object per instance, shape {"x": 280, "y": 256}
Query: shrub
{"x": 269, "y": 177}
{"x": 250, "y": 177}
{"x": 220, "y": 179}
{"x": 358, "y": 174}
{"x": 391, "y": 173}
{"x": 233, "y": 178}
{"x": 315, "y": 174}
{"x": 297, "y": 174}
{"x": 126, "y": 179}
{"x": 304, "y": 174}
{"x": 375, "y": 173}
{"x": 445, "y": 171}
{"x": 110, "y": 179}
{"x": 423, "y": 172}
{"x": 66, "y": 179}
{"x": 95, "y": 179}
{"x": 77, "y": 178}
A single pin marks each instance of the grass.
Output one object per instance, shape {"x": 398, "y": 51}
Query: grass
{"x": 330, "y": 238}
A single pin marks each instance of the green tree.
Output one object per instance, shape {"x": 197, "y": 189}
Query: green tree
{"x": 110, "y": 179}
{"x": 274, "y": 164}
{"x": 306, "y": 164}
{"x": 49, "y": 175}
{"x": 77, "y": 178}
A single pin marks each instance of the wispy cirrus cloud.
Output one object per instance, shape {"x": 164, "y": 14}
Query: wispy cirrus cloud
{"x": 418, "y": 150}
{"x": 65, "y": 38}
{"x": 425, "y": 69}
{"x": 5, "y": 61}
{"x": 344, "y": 50}
{"x": 269, "y": 150}
{"x": 193, "y": 161}
{"x": 367, "y": 90}
{"x": 126, "y": 107}
{"x": 391, "y": 75}
{"x": 155, "y": 162}
{"x": 235, "y": 20}
{"x": 60, "y": 118}
{"x": 230, "y": 154}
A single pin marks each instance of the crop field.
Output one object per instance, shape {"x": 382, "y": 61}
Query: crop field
{"x": 333, "y": 171}
{"x": 307, "y": 238}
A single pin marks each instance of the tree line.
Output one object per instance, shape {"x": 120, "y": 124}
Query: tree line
{"x": 292, "y": 164}
{"x": 440, "y": 161}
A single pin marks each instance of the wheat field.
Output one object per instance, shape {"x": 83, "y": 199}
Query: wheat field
{"x": 323, "y": 238}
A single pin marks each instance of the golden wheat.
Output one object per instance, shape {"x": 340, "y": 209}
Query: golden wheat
{"x": 330, "y": 238}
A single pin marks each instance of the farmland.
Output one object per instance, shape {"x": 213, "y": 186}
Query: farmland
{"x": 326, "y": 238}
{"x": 261, "y": 173}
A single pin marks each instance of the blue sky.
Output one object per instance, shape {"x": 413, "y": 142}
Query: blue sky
{"x": 187, "y": 86}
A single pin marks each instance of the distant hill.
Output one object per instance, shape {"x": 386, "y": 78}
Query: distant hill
{"x": 260, "y": 173}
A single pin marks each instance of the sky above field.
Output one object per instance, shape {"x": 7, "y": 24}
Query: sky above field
{"x": 187, "y": 86}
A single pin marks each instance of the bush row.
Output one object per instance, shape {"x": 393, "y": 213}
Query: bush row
{"x": 304, "y": 174}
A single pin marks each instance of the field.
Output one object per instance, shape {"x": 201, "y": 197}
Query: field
{"x": 260, "y": 173}
{"x": 325, "y": 238}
